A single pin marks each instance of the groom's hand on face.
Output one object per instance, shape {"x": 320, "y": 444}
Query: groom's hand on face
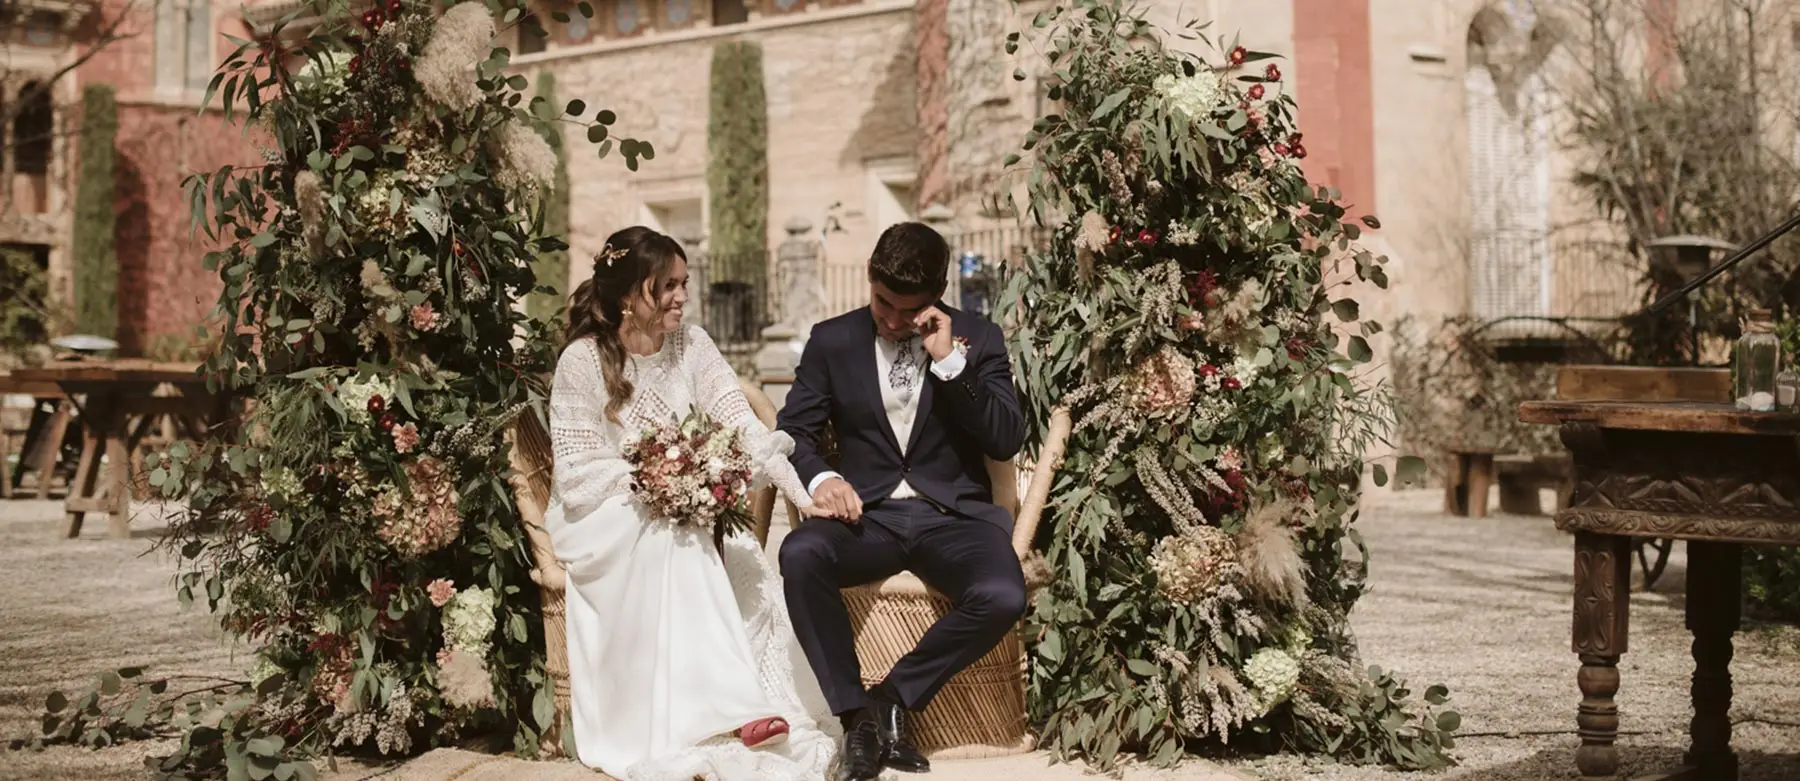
{"x": 935, "y": 326}
{"x": 837, "y": 499}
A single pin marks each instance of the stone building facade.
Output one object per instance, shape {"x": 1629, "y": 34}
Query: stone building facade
{"x": 878, "y": 109}
{"x": 158, "y": 69}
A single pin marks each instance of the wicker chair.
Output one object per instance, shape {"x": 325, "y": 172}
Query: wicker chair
{"x": 533, "y": 461}
{"x": 981, "y": 711}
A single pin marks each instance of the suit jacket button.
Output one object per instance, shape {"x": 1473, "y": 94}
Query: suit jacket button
{"x": 906, "y": 468}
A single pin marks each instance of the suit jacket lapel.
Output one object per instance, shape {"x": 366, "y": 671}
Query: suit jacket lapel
{"x": 924, "y": 410}
{"x": 867, "y": 367}
{"x": 925, "y": 393}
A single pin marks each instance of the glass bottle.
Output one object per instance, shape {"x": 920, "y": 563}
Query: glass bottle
{"x": 1754, "y": 362}
{"x": 1787, "y": 389}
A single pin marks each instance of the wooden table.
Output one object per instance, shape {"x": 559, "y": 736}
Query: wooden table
{"x": 113, "y": 395}
{"x": 35, "y": 432}
{"x": 1701, "y": 472}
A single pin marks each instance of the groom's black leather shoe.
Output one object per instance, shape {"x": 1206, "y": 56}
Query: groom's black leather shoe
{"x": 897, "y": 749}
{"x": 861, "y": 758}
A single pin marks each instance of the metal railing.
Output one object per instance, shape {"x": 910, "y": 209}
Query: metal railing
{"x": 975, "y": 257}
{"x": 731, "y": 298}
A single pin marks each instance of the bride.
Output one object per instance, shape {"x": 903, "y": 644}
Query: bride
{"x": 682, "y": 662}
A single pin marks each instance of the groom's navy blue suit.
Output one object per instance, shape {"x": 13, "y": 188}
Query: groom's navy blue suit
{"x": 952, "y": 536}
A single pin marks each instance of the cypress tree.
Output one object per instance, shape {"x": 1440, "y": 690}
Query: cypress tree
{"x": 737, "y": 145}
{"x": 96, "y": 262}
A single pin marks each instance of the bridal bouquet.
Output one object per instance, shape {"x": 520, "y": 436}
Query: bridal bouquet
{"x": 693, "y": 472}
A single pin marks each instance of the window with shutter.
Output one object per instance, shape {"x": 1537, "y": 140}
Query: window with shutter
{"x": 1510, "y": 268}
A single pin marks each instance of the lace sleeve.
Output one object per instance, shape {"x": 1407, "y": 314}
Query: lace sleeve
{"x": 588, "y": 467}
{"x": 716, "y": 392}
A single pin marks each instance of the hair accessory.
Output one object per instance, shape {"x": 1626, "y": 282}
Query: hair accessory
{"x": 608, "y": 255}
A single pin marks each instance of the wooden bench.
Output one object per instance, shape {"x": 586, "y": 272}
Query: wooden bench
{"x": 1521, "y": 478}
{"x": 1466, "y": 485}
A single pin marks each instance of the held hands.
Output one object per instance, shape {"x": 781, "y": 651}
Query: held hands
{"x": 835, "y": 499}
{"x": 934, "y": 325}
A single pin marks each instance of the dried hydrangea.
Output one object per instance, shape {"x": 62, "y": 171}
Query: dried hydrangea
{"x": 429, "y": 518}
{"x": 1190, "y": 566}
{"x": 1164, "y": 384}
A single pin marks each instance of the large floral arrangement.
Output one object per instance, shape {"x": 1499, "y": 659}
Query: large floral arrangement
{"x": 358, "y": 530}
{"x": 692, "y": 472}
{"x": 1191, "y": 310}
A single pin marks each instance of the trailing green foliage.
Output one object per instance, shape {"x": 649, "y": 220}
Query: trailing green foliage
{"x": 1192, "y": 310}
{"x": 96, "y": 259}
{"x": 552, "y": 268}
{"x": 737, "y": 148}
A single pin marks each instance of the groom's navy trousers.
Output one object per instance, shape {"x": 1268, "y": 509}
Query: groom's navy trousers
{"x": 951, "y": 536}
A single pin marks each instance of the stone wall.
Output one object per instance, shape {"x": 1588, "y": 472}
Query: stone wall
{"x": 840, "y": 95}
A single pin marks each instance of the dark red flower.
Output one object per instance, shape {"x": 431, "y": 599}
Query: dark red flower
{"x": 1299, "y": 151}
{"x": 1115, "y": 233}
{"x": 1272, "y": 73}
{"x": 1296, "y": 348}
{"x": 1295, "y": 138}
{"x": 718, "y": 492}
{"x": 394, "y": 7}
{"x": 1146, "y": 236}
{"x": 1208, "y": 370}
{"x": 1231, "y": 384}
{"x": 1238, "y": 55}
{"x": 1256, "y": 91}
{"x": 388, "y": 421}
{"x": 403, "y": 64}
{"x": 1281, "y": 149}
{"x": 1200, "y": 288}
{"x": 377, "y": 404}
{"x": 259, "y": 517}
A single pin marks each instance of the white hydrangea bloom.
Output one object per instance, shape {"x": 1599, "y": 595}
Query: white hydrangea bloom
{"x": 1193, "y": 96}
{"x": 1273, "y": 673}
{"x": 354, "y": 394}
{"x": 469, "y": 621}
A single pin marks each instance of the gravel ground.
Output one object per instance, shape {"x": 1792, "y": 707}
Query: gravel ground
{"x": 1479, "y": 605}
{"x": 1482, "y": 606}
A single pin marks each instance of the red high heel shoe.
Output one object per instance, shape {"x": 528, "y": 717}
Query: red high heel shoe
{"x": 764, "y": 732}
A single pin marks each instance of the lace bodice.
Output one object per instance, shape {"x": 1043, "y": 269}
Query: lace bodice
{"x": 688, "y": 372}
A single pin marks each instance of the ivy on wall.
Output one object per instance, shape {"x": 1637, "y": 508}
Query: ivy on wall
{"x": 552, "y": 268}
{"x": 737, "y": 143}
{"x": 96, "y": 262}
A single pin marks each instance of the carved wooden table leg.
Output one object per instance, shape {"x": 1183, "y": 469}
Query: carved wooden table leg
{"x": 1714, "y": 577}
{"x": 1602, "y": 606}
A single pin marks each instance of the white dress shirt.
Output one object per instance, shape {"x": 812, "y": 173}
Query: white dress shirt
{"x": 902, "y": 403}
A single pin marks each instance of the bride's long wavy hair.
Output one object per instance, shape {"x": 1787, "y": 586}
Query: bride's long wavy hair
{"x": 631, "y": 269}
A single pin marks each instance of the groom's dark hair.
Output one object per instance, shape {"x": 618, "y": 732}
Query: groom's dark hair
{"x": 911, "y": 259}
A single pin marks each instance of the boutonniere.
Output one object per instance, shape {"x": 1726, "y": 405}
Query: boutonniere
{"x": 962, "y": 345}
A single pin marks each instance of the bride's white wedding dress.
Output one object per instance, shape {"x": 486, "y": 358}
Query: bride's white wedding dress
{"x": 669, "y": 651}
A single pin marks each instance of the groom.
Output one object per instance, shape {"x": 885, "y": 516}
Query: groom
{"x": 916, "y": 395}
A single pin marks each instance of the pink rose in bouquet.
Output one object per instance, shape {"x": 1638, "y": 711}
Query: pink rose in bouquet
{"x": 693, "y": 472}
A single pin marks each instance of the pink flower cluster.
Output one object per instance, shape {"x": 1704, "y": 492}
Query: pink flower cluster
{"x": 441, "y": 591}
{"x": 428, "y": 519}
{"x": 692, "y": 473}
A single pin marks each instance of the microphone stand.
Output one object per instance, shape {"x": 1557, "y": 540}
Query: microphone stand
{"x": 1675, "y": 296}
{"x": 1736, "y": 257}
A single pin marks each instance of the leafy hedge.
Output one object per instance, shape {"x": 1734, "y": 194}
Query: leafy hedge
{"x": 737, "y": 148}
